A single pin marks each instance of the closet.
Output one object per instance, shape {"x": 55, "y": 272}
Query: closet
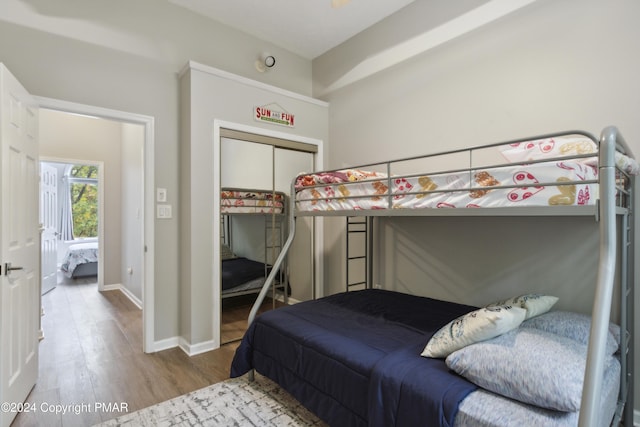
{"x": 256, "y": 174}
{"x": 212, "y": 102}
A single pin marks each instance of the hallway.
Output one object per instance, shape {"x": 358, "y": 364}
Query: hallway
{"x": 91, "y": 354}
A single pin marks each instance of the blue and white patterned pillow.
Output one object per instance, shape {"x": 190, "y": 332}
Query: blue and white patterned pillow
{"x": 535, "y": 304}
{"x": 529, "y": 365}
{"x": 574, "y": 326}
{"x": 479, "y": 325}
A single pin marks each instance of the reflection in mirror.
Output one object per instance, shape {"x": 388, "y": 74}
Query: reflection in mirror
{"x": 255, "y": 183}
{"x": 252, "y": 234}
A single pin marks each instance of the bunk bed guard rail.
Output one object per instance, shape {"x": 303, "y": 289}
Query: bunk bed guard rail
{"x": 610, "y": 141}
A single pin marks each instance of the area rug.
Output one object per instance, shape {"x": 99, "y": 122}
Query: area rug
{"x": 234, "y": 402}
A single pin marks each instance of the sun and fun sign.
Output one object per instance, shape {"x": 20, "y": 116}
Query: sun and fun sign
{"x": 273, "y": 113}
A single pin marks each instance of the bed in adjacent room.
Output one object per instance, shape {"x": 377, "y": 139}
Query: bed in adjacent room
{"x": 81, "y": 260}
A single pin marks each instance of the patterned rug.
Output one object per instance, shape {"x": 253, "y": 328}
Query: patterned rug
{"x": 234, "y": 402}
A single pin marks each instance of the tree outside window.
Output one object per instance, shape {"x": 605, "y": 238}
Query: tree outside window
{"x": 83, "y": 182}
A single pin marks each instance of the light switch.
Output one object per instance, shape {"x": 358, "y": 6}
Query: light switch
{"x": 161, "y": 195}
{"x": 163, "y": 211}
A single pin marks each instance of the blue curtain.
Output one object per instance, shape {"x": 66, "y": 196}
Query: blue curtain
{"x": 66, "y": 216}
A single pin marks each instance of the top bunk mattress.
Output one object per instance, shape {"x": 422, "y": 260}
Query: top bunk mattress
{"x": 564, "y": 183}
{"x": 244, "y": 201}
{"x": 560, "y": 171}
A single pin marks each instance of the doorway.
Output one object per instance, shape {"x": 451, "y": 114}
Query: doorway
{"x": 138, "y": 223}
{"x": 71, "y": 218}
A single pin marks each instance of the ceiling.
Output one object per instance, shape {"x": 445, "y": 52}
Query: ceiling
{"x": 307, "y": 28}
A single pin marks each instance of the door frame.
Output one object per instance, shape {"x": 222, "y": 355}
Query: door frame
{"x": 318, "y": 235}
{"x": 148, "y": 207}
{"x": 100, "y": 166}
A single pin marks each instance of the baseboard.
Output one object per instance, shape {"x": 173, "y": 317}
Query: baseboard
{"x": 189, "y": 349}
{"x": 636, "y": 418}
{"x": 193, "y": 349}
{"x": 126, "y": 292}
{"x": 166, "y": 344}
{"x": 134, "y": 299}
{"x": 112, "y": 287}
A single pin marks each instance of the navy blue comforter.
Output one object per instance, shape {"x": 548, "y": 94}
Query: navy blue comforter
{"x": 354, "y": 358}
{"x": 237, "y": 271}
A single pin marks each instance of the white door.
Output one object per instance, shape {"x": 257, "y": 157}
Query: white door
{"x": 48, "y": 224}
{"x": 19, "y": 244}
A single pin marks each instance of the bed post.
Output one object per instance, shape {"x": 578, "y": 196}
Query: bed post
{"x": 281, "y": 256}
{"x": 631, "y": 320}
{"x": 277, "y": 264}
{"x": 594, "y": 372}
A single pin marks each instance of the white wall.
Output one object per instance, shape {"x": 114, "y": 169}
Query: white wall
{"x": 132, "y": 208}
{"x": 554, "y": 65}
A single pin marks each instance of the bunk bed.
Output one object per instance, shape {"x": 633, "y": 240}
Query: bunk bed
{"x": 241, "y": 275}
{"x": 359, "y": 358}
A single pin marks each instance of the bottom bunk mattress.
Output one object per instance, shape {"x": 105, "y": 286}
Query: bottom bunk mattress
{"x": 239, "y": 271}
{"x": 354, "y": 360}
{"x": 333, "y": 355}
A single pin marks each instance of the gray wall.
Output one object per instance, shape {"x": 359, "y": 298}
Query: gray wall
{"x": 554, "y": 65}
{"x": 127, "y": 57}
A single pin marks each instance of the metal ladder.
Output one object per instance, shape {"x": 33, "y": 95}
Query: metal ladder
{"x": 626, "y": 306}
{"x": 359, "y": 249}
{"x": 273, "y": 241}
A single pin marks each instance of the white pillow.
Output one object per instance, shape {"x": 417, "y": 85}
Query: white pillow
{"x": 479, "y": 325}
{"x": 535, "y": 304}
{"x": 529, "y": 365}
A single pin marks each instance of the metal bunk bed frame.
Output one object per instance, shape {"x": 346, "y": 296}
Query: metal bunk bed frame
{"x": 607, "y": 209}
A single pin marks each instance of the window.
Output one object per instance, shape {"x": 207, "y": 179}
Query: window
{"x": 83, "y": 186}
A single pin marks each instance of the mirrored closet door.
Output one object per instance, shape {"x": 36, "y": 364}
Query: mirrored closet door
{"x": 256, "y": 175}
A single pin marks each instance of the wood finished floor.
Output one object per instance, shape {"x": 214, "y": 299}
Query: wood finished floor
{"x": 92, "y": 353}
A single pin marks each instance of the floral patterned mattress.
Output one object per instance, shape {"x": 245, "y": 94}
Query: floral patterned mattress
{"x": 566, "y": 181}
{"x": 251, "y": 201}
